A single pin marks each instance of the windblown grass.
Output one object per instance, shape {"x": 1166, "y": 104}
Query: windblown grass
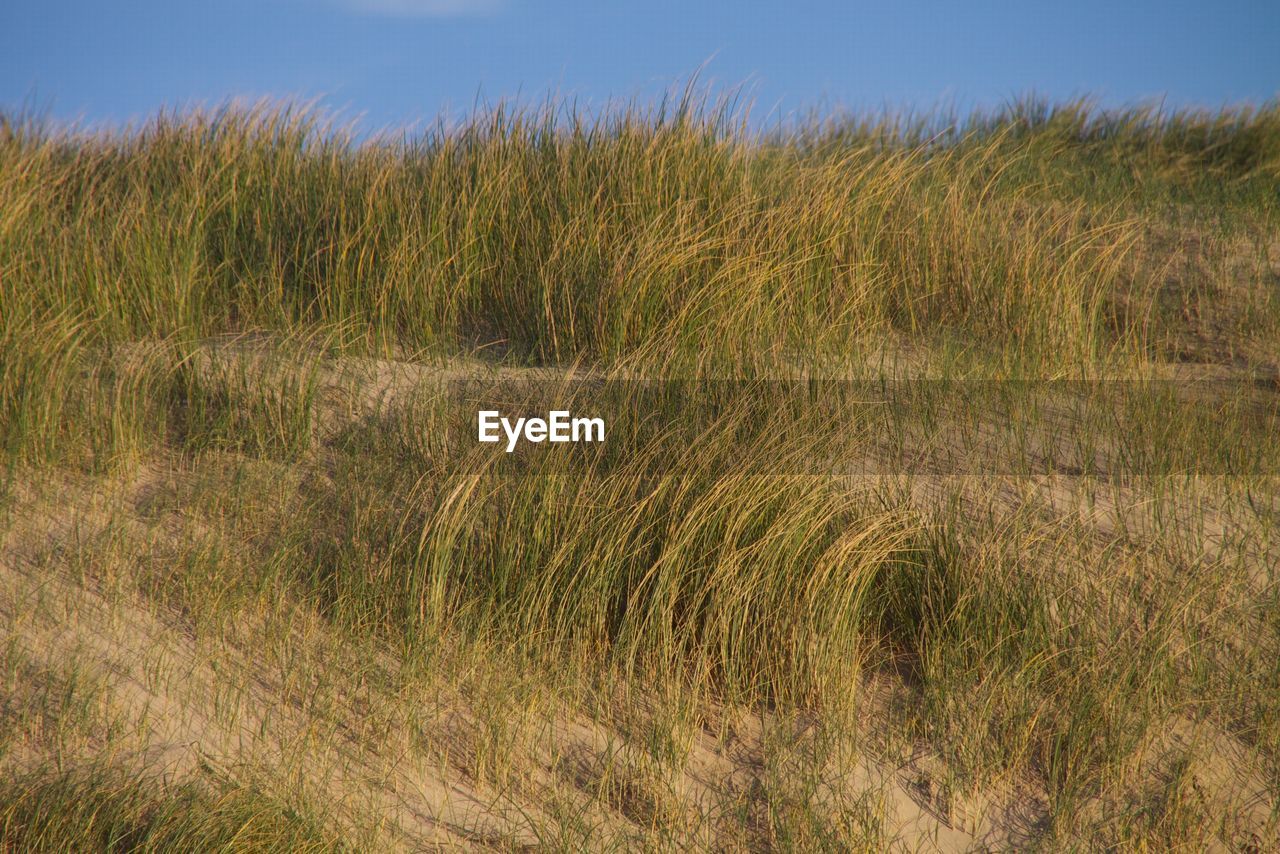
{"x": 1068, "y": 599}
{"x": 110, "y": 809}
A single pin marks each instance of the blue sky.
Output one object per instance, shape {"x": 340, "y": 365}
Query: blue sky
{"x": 397, "y": 62}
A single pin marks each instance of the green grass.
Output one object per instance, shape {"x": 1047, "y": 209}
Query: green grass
{"x": 905, "y": 464}
{"x": 112, "y": 809}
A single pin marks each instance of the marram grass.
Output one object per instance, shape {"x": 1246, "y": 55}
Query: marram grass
{"x": 178, "y": 305}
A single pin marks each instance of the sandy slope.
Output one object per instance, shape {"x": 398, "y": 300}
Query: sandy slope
{"x": 270, "y": 692}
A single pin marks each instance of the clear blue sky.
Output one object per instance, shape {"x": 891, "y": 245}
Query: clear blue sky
{"x": 397, "y": 62}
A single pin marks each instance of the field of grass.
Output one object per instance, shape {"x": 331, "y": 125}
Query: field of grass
{"x": 939, "y": 508}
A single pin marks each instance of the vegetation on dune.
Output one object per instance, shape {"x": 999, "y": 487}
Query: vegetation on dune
{"x": 669, "y": 239}
{"x": 114, "y": 809}
{"x": 564, "y": 236}
{"x": 226, "y": 347}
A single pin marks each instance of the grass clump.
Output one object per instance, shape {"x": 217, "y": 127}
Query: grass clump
{"x": 110, "y": 809}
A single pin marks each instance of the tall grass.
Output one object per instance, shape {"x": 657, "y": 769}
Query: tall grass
{"x": 111, "y": 808}
{"x": 708, "y": 548}
{"x": 665, "y": 236}
{"x": 560, "y": 235}
{"x": 662, "y": 563}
